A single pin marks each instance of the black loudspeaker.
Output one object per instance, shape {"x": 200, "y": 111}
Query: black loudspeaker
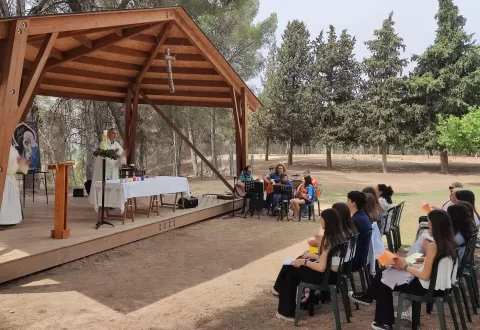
{"x": 78, "y": 192}
{"x": 87, "y": 185}
{"x": 189, "y": 203}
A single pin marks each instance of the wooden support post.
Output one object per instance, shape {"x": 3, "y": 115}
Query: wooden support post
{"x": 244, "y": 124}
{"x": 60, "y": 230}
{"x": 133, "y": 129}
{"x": 128, "y": 114}
{"x": 32, "y": 82}
{"x": 185, "y": 139}
{"x": 11, "y": 68}
{"x": 238, "y": 133}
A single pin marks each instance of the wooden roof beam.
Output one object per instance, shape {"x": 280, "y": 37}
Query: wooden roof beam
{"x": 55, "y": 52}
{"x": 119, "y": 50}
{"x": 30, "y": 84}
{"x": 84, "y": 41}
{"x": 99, "y": 44}
{"x": 108, "y": 19}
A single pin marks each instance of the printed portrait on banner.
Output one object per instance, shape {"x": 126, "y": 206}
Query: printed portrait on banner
{"x": 25, "y": 140}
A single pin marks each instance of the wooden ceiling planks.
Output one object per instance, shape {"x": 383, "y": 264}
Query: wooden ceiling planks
{"x": 101, "y": 60}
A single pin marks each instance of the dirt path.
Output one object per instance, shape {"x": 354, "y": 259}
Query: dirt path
{"x": 212, "y": 275}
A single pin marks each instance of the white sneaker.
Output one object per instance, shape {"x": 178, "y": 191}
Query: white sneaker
{"x": 406, "y": 315}
{"x": 289, "y": 319}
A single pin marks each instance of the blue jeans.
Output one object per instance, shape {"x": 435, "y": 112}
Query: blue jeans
{"x": 276, "y": 200}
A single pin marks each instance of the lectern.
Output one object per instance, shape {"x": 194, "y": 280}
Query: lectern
{"x": 60, "y": 230}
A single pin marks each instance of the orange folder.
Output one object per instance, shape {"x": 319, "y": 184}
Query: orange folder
{"x": 386, "y": 258}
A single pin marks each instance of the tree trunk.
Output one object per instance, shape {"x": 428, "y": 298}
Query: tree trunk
{"x": 384, "y": 157}
{"x": 193, "y": 155}
{"x": 267, "y": 146}
{"x": 213, "y": 140}
{"x": 444, "y": 162}
{"x": 290, "y": 153}
{"x": 329, "y": 157}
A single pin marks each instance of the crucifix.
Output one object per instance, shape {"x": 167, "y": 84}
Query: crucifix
{"x": 168, "y": 58}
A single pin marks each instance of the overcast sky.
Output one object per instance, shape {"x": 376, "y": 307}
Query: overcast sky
{"x": 414, "y": 19}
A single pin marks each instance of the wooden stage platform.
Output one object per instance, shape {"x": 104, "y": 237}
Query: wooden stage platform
{"x": 28, "y": 248}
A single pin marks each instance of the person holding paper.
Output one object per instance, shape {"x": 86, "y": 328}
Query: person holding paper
{"x": 310, "y": 267}
{"x": 403, "y": 277}
{"x": 112, "y": 166}
{"x": 11, "y": 210}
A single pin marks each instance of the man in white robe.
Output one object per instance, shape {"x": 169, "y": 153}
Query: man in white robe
{"x": 11, "y": 210}
{"x": 112, "y": 167}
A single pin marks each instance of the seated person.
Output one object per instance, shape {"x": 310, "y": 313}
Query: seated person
{"x": 451, "y": 188}
{"x": 276, "y": 197}
{"x": 272, "y": 179}
{"x": 356, "y": 201}
{"x": 418, "y": 279}
{"x": 311, "y": 267}
{"x": 468, "y": 196}
{"x": 304, "y": 195}
{"x": 317, "y": 192}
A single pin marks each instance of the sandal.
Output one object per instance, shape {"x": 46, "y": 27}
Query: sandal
{"x": 306, "y": 296}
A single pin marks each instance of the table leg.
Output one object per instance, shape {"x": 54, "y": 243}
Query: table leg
{"x": 175, "y": 202}
{"x": 23, "y": 175}
{"x": 45, "y": 183}
{"x": 33, "y": 185}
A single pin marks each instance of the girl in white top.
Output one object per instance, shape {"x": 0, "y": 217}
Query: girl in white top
{"x": 311, "y": 267}
{"x": 384, "y": 194}
{"x": 413, "y": 280}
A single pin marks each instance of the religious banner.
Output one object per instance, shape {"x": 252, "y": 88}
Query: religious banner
{"x": 25, "y": 140}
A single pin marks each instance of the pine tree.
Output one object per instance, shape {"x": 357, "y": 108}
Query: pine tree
{"x": 445, "y": 81}
{"x": 293, "y": 122}
{"x": 384, "y": 89}
{"x": 334, "y": 82}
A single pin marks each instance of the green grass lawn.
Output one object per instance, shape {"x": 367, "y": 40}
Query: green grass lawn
{"x": 412, "y": 210}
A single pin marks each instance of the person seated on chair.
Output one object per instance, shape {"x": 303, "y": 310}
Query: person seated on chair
{"x": 304, "y": 208}
{"x": 395, "y": 277}
{"x": 271, "y": 179}
{"x": 304, "y": 195}
{"x": 310, "y": 267}
{"x": 245, "y": 176}
{"x": 276, "y": 197}
{"x": 356, "y": 201}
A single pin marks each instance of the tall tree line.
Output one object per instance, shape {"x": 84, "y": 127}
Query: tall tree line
{"x": 315, "y": 91}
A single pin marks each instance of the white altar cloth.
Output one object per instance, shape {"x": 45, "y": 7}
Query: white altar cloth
{"x": 116, "y": 193}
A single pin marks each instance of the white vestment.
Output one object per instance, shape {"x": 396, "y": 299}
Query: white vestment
{"x": 11, "y": 210}
{"x": 111, "y": 166}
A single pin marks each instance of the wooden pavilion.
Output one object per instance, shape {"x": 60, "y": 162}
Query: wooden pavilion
{"x": 116, "y": 56}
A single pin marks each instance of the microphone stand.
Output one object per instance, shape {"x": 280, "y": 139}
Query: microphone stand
{"x": 102, "y": 220}
{"x": 232, "y": 214}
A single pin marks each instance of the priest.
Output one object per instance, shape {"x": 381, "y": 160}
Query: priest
{"x": 112, "y": 166}
{"x": 11, "y": 209}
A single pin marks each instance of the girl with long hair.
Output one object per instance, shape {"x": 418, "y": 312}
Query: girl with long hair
{"x": 311, "y": 267}
{"x": 303, "y": 198}
{"x": 463, "y": 225}
{"x": 418, "y": 279}
{"x": 469, "y": 196}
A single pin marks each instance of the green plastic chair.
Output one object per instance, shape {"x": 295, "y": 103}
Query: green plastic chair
{"x": 428, "y": 298}
{"x": 340, "y": 251}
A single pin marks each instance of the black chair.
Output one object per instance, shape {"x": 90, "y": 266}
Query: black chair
{"x": 395, "y": 227}
{"x": 471, "y": 279}
{"x": 362, "y": 248}
{"x": 458, "y": 287}
{"x": 339, "y": 251}
{"x": 347, "y": 274}
{"x": 387, "y": 229}
{"x": 428, "y": 298}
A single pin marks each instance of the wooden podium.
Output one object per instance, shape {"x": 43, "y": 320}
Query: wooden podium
{"x": 60, "y": 230}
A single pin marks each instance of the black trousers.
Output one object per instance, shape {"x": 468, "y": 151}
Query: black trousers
{"x": 287, "y": 286}
{"x": 384, "y": 313}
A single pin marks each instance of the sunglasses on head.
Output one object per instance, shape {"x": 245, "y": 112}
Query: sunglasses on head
{"x": 451, "y": 188}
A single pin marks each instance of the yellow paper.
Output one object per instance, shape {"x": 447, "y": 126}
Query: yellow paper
{"x": 313, "y": 249}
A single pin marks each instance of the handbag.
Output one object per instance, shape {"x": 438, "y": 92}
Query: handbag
{"x": 189, "y": 203}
